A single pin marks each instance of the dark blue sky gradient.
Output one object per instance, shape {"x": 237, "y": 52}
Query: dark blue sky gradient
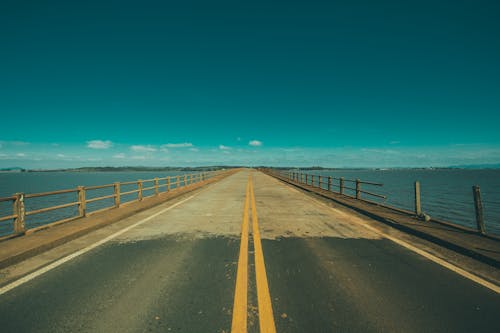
{"x": 309, "y": 75}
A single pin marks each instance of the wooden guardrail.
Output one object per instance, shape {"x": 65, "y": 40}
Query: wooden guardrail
{"x": 164, "y": 184}
{"x": 319, "y": 181}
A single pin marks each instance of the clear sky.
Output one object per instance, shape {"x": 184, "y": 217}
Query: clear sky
{"x": 332, "y": 83}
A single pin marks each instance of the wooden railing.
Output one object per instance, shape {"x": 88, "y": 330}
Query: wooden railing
{"x": 158, "y": 185}
{"x": 327, "y": 183}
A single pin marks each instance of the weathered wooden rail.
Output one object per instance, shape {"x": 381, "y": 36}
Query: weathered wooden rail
{"x": 319, "y": 181}
{"x": 158, "y": 185}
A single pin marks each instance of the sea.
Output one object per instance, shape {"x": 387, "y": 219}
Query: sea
{"x": 446, "y": 194}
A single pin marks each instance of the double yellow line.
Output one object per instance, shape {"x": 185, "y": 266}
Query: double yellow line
{"x": 266, "y": 318}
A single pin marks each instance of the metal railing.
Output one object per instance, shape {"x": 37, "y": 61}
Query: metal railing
{"x": 157, "y": 185}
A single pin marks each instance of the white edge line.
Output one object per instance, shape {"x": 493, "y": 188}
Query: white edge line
{"x": 63, "y": 260}
{"x": 427, "y": 255}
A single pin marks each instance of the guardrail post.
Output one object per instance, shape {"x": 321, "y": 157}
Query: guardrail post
{"x": 185, "y": 180}
{"x": 319, "y": 182}
{"x": 312, "y": 180}
{"x": 178, "y": 183}
{"x": 329, "y": 183}
{"x": 341, "y": 185}
{"x": 117, "y": 194}
{"x": 82, "y": 201}
{"x": 307, "y": 176}
{"x": 20, "y": 211}
{"x": 418, "y": 207}
{"x": 358, "y": 189}
{"x": 168, "y": 183}
{"x": 156, "y": 186}
{"x": 478, "y": 205}
{"x": 139, "y": 187}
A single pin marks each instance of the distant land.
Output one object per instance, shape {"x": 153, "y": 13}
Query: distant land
{"x": 220, "y": 167}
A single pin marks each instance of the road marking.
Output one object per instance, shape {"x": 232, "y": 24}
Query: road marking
{"x": 266, "y": 318}
{"x": 63, "y": 260}
{"x": 423, "y": 253}
{"x": 239, "y": 323}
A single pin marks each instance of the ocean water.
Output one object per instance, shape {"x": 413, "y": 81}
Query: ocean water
{"x": 37, "y": 182}
{"x": 446, "y": 194}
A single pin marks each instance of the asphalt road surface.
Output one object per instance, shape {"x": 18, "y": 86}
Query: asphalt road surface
{"x": 178, "y": 271}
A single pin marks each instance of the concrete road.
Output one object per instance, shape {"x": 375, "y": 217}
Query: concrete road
{"x": 176, "y": 272}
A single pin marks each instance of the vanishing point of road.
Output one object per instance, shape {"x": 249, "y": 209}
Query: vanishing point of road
{"x": 247, "y": 253}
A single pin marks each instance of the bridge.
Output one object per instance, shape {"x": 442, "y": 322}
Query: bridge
{"x": 249, "y": 251}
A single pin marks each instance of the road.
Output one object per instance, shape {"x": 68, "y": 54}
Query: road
{"x": 176, "y": 270}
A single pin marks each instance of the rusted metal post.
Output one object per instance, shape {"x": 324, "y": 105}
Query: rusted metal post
{"x": 168, "y": 183}
{"x": 358, "y": 189}
{"x": 20, "y": 212}
{"x": 156, "y": 186}
{"x": 418, "y": 207}
{"x": 117, "y": 194}
{"x": 139, "y": 187}
{"x": 329, "y": 183}
{"x": 341, "y": 184}
{"x": 307, "y": 176}
{"x": 178, "y": 183}
{"x": 82, "y": 201}
{"x": 478, "y": 205}
{"x": 185, "y": 180}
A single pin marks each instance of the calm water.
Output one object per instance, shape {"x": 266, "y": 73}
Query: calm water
{"x": 36, "y": 182}
{"x": 446, "y": 194}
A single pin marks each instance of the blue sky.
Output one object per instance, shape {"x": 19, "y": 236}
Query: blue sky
{"x": 331, "y": 83}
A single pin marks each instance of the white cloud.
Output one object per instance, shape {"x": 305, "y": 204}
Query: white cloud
{"x": 61, "y": 155}
{"x": 21, "y": 155}
{"x": 120, "y": 155}
{"x": 194, "y": 149}
{"x": 255, "y": 143}
{"x": 222, "y": 147}
{"x": 139, "y": 157}
{"x": 143, "y": 149}
{"x": 99, "y": 144}
{"x": 177, "y": 145}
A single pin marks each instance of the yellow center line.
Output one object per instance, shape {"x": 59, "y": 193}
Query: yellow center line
{"x": 239, "y": 323}
{"x": 266, "y": 318}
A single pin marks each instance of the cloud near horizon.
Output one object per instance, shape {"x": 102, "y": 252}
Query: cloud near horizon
{"x": 143, "y": 149}
{"x": 177, "y": 145}
{"x": 255, "y": 143}
{"x": 99, "y": 144}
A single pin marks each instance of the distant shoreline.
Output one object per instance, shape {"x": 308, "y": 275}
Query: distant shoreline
{"x": 221, "y": 167}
